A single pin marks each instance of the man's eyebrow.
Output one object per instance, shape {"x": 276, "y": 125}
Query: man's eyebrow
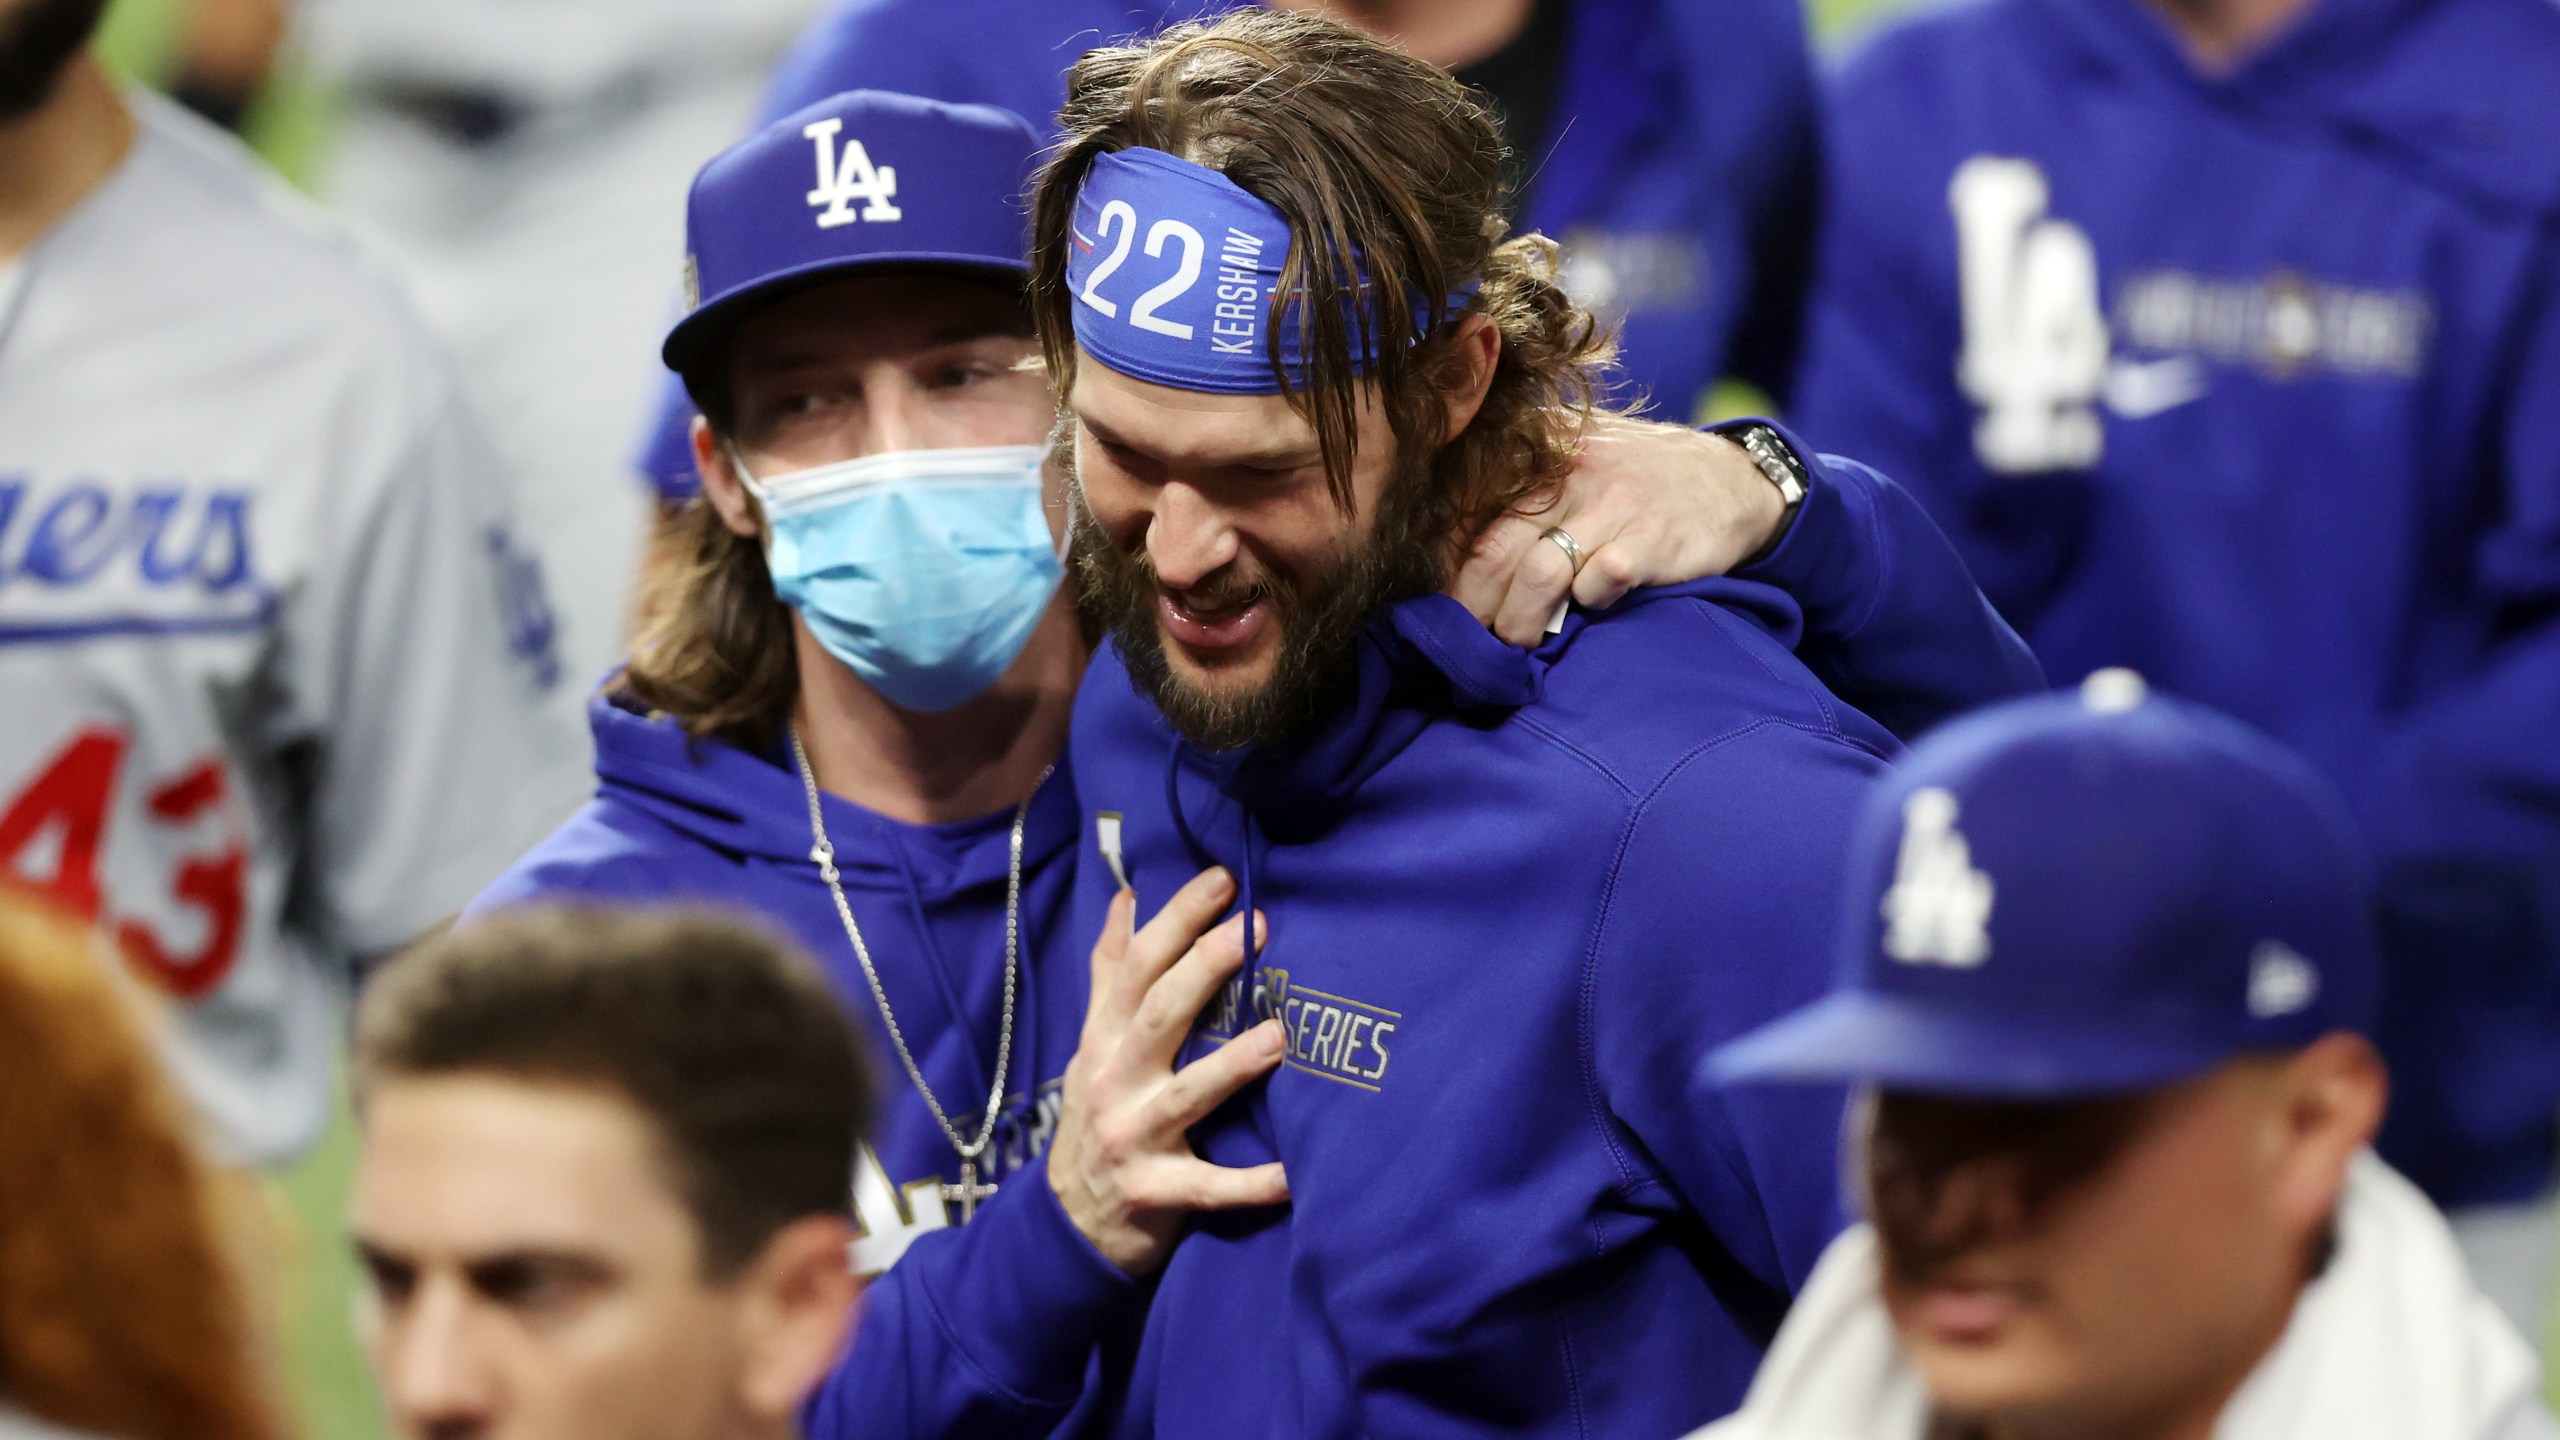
{"x": 535, "y": 1258}
{"x": 1275, "y": 457}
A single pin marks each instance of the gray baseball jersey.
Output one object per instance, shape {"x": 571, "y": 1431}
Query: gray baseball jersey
{"x": 276, "y": 677}
{"x": 548, "y": 52}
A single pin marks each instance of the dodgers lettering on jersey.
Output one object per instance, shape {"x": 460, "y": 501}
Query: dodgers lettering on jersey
{"x": 85, "y": 561}
{"x": 180, "y": 557}
{"x": 277, "y": 688}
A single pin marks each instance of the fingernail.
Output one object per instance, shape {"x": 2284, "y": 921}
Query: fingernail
{"x": 1274, "y": 1038}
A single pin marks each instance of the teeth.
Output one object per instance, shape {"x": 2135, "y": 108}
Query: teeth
{"x": 1208, "y": 616}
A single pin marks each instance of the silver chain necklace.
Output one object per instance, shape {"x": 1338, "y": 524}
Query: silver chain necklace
{"x": 823, "y": 851}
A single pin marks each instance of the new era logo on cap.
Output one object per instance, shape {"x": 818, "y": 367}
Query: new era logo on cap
{"x": 2281, "y": 982}
{"x": 1938, "y": 911}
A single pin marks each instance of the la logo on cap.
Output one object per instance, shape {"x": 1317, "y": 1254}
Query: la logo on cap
{"x": 1939, "y": 909}
{"x": 847, "y": 176}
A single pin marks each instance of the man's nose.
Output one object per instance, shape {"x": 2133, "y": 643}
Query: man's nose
{"x": 898, "y": 414}
{"x": 438, "y": 1386}
{"x": 1188, "y": 538}
{"x": 1979, "y": 1203}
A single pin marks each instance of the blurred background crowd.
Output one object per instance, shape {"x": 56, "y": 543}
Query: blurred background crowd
{"x": 2222, "y": 335}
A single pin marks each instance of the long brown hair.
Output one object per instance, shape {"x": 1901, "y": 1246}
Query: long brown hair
{"x": 120, "y": 1308}
{"x": 715, "y": 649}
{"x": 1383, "y": 165}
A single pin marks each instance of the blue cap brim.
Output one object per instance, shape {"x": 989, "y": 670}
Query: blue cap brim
{"x": 685, "y": 343}
{"x": 1900, "y": 1043}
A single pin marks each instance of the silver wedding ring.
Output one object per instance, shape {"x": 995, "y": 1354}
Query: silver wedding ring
{"x": 1565, "y": 542}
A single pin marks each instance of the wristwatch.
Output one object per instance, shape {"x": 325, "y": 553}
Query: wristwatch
{"x": 1777, "y": 460}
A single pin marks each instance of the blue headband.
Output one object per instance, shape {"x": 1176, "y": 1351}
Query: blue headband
{"x": 1175, "y": 271}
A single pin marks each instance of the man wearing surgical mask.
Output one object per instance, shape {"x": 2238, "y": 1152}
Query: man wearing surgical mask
{"x": 848, "y": 708}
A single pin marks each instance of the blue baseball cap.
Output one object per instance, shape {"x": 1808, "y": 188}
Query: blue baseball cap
{"x": 2085, "y": 894}
{"x": 862, "y": 179}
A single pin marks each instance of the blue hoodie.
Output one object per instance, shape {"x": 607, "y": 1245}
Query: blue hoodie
{"x": 2301, "y": 461}
{"x": 1679, "y": 174}
{"x": 1514, "y": 899}
{"x": 1014, "y": 1325}
{"x": 983, "y": 1329}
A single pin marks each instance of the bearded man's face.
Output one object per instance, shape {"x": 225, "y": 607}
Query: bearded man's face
{"x": 1209, "y": 543}
{"x": 37, "y": 39}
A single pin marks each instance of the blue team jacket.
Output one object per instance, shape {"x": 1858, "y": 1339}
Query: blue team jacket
{"x": 1015, "y": 1325}
{"x": 2290, "y": 443}
{"x": 1679, "y": 179}
{"x": 1513, "y": 899}
{"x": 989, "y": 1329}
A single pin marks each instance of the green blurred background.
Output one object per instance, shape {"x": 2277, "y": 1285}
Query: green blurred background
{"x": 332, "y": 1395}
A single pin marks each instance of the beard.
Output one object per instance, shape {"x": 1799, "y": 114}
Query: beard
{"x": 37, "y": 40}
{"x": 1319, "y": 614}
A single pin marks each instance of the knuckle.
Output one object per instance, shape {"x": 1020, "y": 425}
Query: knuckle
{"x": 1117, "y": 1141}
{"x": 1618, "y": 566}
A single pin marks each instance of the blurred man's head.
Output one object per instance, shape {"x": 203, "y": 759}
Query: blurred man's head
{"x": 873, "y": 318}
{"x": 1301, "y": 363}
{"x": 2108, "y": 967}
{"x": 2073, "y": 1265}
{"x": 37, "y": 39}
{"x": 603, "y": 1184}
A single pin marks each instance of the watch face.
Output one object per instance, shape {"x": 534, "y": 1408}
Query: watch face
{"x": 1771, "y": 454}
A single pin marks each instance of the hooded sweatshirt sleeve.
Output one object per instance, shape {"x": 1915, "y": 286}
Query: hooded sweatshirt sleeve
{"x": 1893, "y": 621}
{"x": 2477, "y": 767}
{"x": 985, "y": 1330}
{"x": 1689, "y": 954}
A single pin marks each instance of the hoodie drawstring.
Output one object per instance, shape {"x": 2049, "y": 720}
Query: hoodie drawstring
{"x": 1200, "y": 853}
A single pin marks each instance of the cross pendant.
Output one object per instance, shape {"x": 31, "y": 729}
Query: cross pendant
{"x": 968, "y": 1192}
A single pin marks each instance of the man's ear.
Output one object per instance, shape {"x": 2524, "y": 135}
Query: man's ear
{"x": 1478, "y": 346}
{"x": 721, "y": 485}
{"x": 2331, "y": 1096}
{"x": 798, "y": 1301}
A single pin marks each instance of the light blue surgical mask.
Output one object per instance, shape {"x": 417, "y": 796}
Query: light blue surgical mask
{"x": 924, "y": 570}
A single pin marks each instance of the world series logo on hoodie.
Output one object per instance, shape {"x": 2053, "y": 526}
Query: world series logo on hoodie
{"x": 2043, "y": 358}
{"x": 1340, "y": 1039}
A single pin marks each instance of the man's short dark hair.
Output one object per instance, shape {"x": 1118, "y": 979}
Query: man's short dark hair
{"x": 730, "y": 1043}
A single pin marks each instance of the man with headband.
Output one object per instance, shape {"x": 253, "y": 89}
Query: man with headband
{"x": 870, "y": 649}
{"x": 1494, "y": 905}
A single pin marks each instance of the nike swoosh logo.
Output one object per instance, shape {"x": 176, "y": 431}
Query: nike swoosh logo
{"x": 2140, "y": 390}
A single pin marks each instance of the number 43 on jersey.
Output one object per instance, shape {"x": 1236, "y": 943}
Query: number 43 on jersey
{"x": 53, "y": 832}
